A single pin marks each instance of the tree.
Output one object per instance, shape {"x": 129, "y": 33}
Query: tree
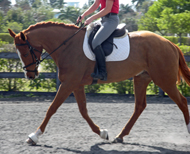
{"x": 162, "y": 14}
{"x": 90, "y": 2}
{"x": 138, "y": 3}
{"x": 145, "y": 6}
{"x": 24, "y": 4}
{"x": 175, "y": 23}
{"x": 43, "y": 13}
{"x": 36, "y": 4}
{"x": 71, "y": 13}
{"x": 128, "y": 15}
{"x": 15, "y": 26}
{"x": 15, "y": 14}
{"x": 131, "y": 23}
{"x": 147, "y": 22}
{"x": 1, "y": 20}
{"x": 5, "y": 5}
{"x": 124, "y": 9}
{"x": 52, "y": 3}
{"x": 29, "y": 18}
{"x": 59, "y": 4}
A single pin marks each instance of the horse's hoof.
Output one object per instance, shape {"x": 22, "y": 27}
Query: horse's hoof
{"x": 104, "y": 134}
{"x": 30, "y": 141}
{"x": 117, "y": 140}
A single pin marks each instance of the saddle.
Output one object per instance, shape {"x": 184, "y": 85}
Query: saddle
{"x": 107, "y": 45}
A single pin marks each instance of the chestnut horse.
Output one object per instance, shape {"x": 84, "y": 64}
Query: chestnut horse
{"x": 151, "y": 58}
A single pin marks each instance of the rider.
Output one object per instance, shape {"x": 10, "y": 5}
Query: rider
{"x": 109, "y": 13}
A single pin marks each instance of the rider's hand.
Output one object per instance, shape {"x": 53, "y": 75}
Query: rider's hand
{"x": 88, "y": 21}
{"x": 80, "y": 18}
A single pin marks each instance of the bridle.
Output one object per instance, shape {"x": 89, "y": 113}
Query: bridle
{"x": 37, "y": 61}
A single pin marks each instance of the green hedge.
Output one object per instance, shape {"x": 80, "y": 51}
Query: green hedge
{"x": 184, "y": 40}
{"x": 6, "y": 37}
{"x": 185, "y": 49}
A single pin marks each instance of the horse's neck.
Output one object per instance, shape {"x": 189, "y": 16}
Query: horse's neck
{"x": 52, "y": 37}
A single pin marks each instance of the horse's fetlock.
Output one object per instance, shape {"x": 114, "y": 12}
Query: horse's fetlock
{"x": 97, "y": 131}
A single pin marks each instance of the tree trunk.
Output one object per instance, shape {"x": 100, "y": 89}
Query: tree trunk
{"x": 179, "y": 40}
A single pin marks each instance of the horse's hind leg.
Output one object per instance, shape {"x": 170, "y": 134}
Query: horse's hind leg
{"x": 81, "y": 100}
{"x": 180, "y": 100}
{"x": 140, "y": 84}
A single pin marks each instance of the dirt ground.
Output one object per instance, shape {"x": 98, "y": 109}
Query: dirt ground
{"x": 160, "y": 128}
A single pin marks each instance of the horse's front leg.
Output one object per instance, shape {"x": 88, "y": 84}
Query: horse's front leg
{"x": 63, "y": 92}
{"x": 81, "y": 100}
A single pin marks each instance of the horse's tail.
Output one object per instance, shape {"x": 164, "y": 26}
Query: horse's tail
{"x": 183, "y": 71}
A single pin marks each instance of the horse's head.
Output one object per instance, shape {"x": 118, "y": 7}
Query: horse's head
{"x": 28, "y": 54}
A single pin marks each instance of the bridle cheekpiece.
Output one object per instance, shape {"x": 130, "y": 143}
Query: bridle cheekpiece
{"x": 37, "y": 62}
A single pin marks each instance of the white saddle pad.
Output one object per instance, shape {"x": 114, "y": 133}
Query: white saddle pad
{"x": 119, "y": 54}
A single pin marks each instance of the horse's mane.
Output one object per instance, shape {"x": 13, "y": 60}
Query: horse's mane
{"x": 48, "y": 24}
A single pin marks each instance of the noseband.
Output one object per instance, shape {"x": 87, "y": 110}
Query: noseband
{"x": 37, "y": 62}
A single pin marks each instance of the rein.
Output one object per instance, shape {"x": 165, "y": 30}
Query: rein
{"x": 37, "y": 62}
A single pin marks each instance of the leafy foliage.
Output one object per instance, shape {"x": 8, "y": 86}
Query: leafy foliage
{"x": 5, "y": 5}
{"x": 184, "y": 40}
{"x": 174, "y": 23}
{"x": 93, "y": 88}
{"x": 59, "y": 4}
{"x": 70, "y": 13}
{"x": 2, "y": 43}
{"x": 167, "y": 16}
{"x": 123, "y": 87}
{"x": 1, "y": 20}
{"x": 10, "y": 65}
{"x": 15, "y": 26}
{"x": 6, "y": 37}
{"x": 138, "y": 3}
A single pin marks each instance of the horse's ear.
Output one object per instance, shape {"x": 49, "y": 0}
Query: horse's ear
{"x": 11, "y": 33}
{"x": 23, "y": 37}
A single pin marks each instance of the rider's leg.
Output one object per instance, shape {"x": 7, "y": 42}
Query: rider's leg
{"x": 109, "y": 24}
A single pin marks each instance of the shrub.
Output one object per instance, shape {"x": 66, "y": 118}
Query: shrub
{"x": 185, "y": 49}
{"x": 184, "y": 40}
{"x": 2, "y": 43}
{"x": 15, "y": 26}
{"x": 123, "y": 87}
{"x": 93, "y": 88}
{"x": 6, "y": 37}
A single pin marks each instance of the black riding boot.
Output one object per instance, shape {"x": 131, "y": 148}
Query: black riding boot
{"x": 100, "y": 59}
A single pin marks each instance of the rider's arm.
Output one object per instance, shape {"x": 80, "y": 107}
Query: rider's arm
{"x": 103, "y": 12}
{"x": 92, "y": 8}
